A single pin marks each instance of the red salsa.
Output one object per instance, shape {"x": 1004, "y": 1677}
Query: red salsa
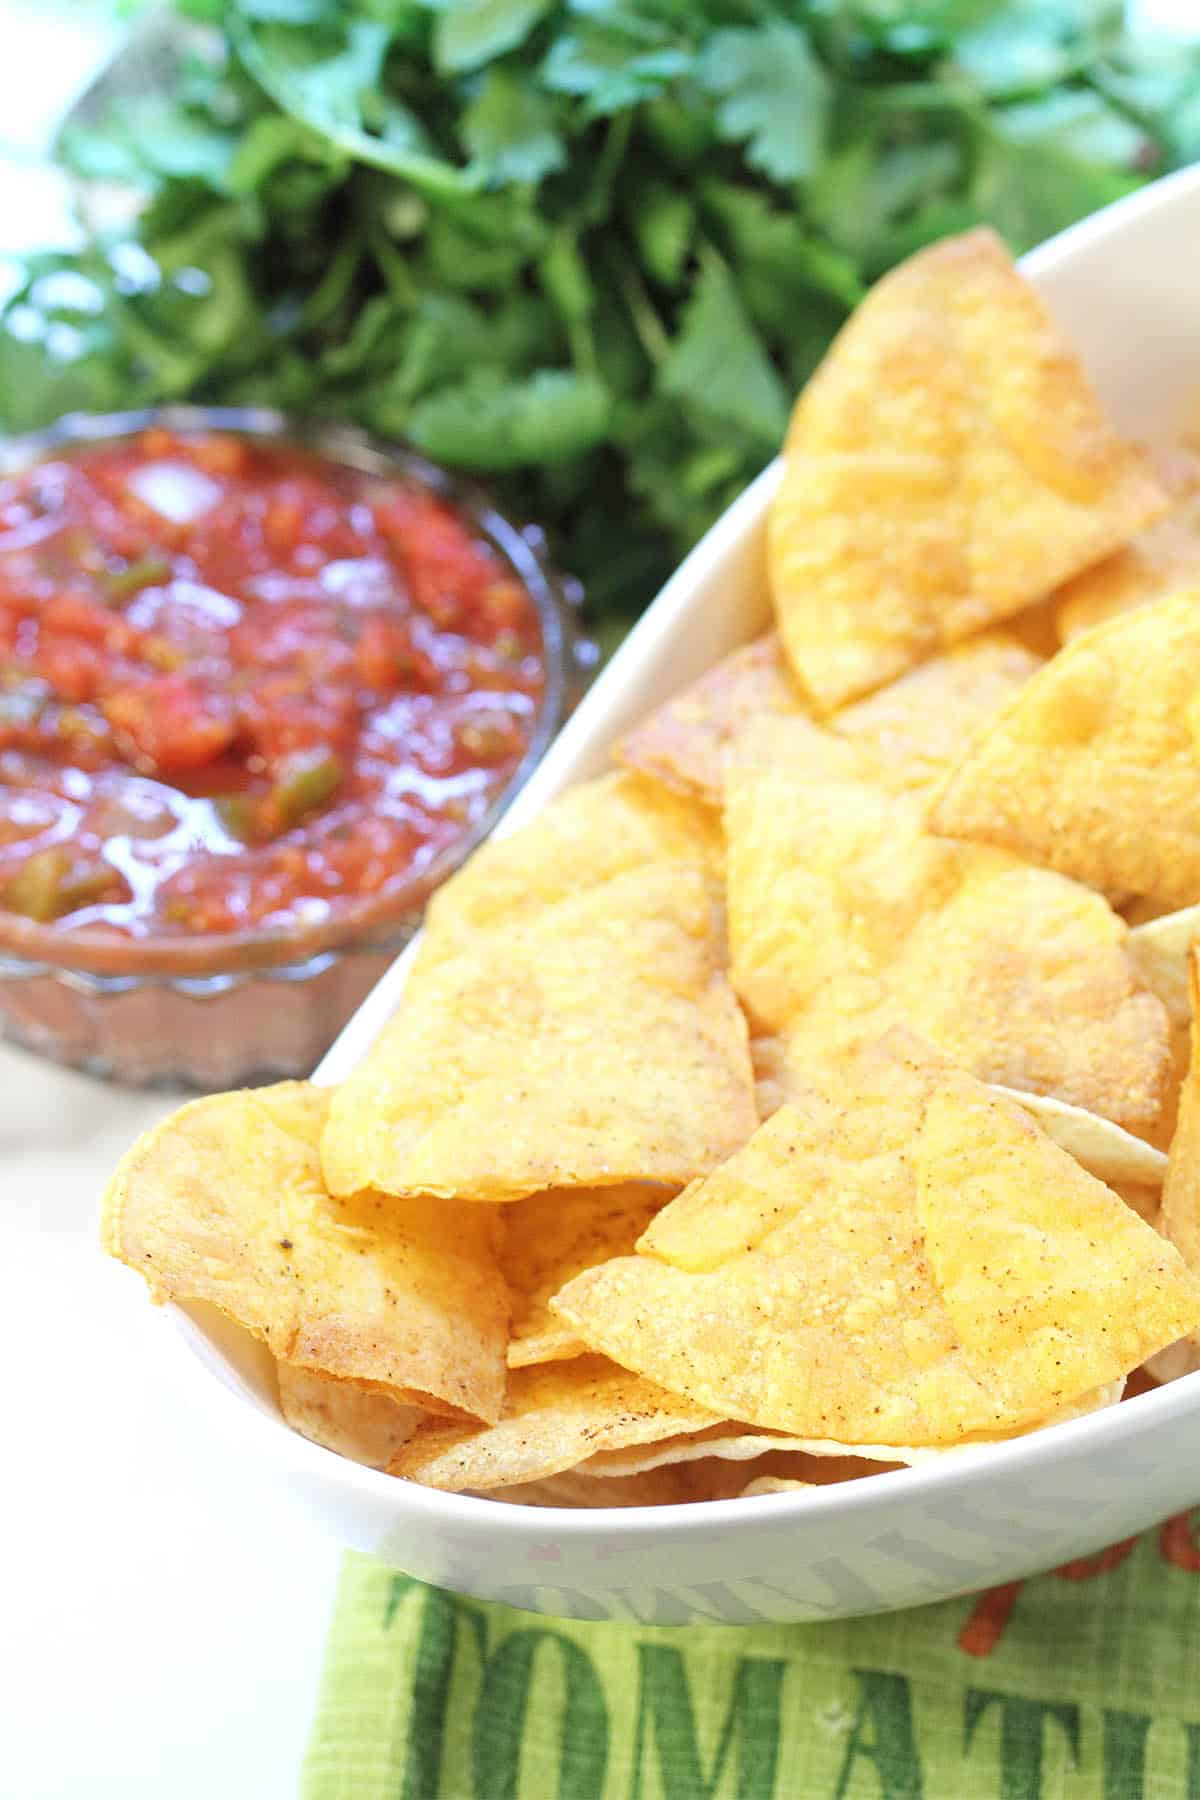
{"x": 244, "y": 687}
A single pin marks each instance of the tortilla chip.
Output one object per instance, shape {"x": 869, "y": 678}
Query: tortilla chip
{"x": 911, "y": 1263}
{"x": 684, "y": 742}
{"x": 1164, "y": 557}
{"x": 1011, "y": 1296}
{"x": 1161, "y": 947}
{"x": 772, "y": 1484}
{"x": 1129, "y": 1165}
{"x": 740, "y": 1444}
{"x": 549, "y": 1238}
{"x": 732, "y": 1442}
{"x": 603, "y": 1045}
{"x": 772, "y": 1072}
{"x": 366, "y": 1426}
{"x": 1145, "y": 1201}
{"x": 589, "y": 835}
{"x": 1162, "y": 950}
{"x": 1036, "y": 628}
{"x": 1179, "y": 1218}
{"x": 717, "y": 1480}
{"x": 947, "y": 465}
{"x": 223, "y": 1202}
{"x": 1093, "y": 769}
{"x": 906, "y": 736}
{"x": 846, "y": 917}
{"x": 1176, "y": 1361}
{"x": 726, "y": 1440}
{"x": 554, "y": 1344}
{"x": 710, "y": 1478}
{"x": 799, "y": 748}
{"x": 576, "y": 1489}
{"x": 1113, "y": 1156}
{"x": 770, "y": 1473}
{"x": 1181, "y": 1190}
{"x": 917, "y": 727}
{"x": 1138, "y": 910}
{"x": 555, "y": 1417}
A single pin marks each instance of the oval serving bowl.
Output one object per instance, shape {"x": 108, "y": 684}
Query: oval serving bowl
{"x": 1126, "y": 288}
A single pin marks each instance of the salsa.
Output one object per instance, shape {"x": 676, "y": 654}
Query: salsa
{"x": 244, "y": 687}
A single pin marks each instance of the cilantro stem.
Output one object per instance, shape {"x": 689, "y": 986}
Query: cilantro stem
{"x": 582, "y": 346}
{"x": 652, "y": 333}
{"x": 616, "y": 142}
{"x": 392, "y": 266}
{"x": 925, "y": 96}
{"x": 333, "y": 286}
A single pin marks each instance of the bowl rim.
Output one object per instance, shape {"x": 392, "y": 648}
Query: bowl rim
{"x": 942, "y": 1474}
{"x": 379, "y": 922}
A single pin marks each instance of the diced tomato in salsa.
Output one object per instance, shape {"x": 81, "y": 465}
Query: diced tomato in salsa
{"x": 244, "y": 686}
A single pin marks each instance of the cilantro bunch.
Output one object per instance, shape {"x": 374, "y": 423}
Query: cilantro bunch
{"x": 587, "y": 249}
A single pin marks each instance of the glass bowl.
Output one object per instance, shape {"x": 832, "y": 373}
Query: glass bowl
{"x": 225, "y": 1009}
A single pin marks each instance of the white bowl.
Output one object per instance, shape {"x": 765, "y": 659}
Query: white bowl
{"x": 1126, "y": 284}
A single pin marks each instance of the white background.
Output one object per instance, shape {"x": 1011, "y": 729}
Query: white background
{"x": 161, "y": 1625}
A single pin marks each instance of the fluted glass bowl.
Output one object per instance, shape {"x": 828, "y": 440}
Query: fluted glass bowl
{"x": 218, "y": 1010}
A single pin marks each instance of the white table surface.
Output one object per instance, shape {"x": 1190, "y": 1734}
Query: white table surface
{"x": 161, "y": 1631}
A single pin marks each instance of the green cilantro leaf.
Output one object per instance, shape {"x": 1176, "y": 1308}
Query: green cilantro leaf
{"x": 509, "y": 128}
{"x": 774, "y": 95}
{"x": 271, "y": 143}
{"x": 147, "y": 141}
{"x": 332, "y": 88}
{"x": 468, "y": 33}
{"x": 488, "y": 423}
{"x": 1007, "y": 55}
{"x": 773, "y": 254}
{"x": 1042, "y": 166}
{"x": 289, "y": 12}
{"x": 717, "y": 366}
{"x": 663, "y": 221}
{"x": 604, "y": 67}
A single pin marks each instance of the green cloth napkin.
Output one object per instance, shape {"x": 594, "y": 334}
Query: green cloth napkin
{"x": 1083, "y": 1684}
